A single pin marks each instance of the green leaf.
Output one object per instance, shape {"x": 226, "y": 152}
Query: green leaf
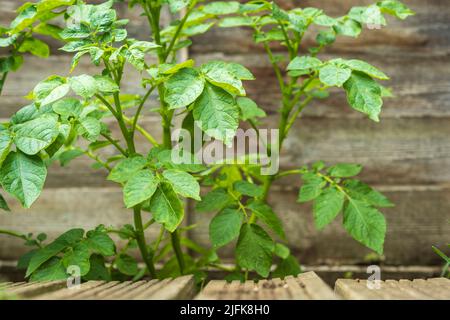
{"x": 334, "y": 75}
{"x": 225, "y": 227}
{"x": 67, "y": 239}
{"x": 248, "y": 189}
{"x": 90, "y": 128}
{"x": 361, "y": 191}
{"x": 83, "y": 85}
{"x": 239, "y": 71}
{"x": 99, "y": 242}
{"x": 364, "y": 95}
{"x": 325, "y": 37}
{"x": 171, "y": 68}
{"x": 78, "y": 256}
{"x": 4, "y": 204}
{"x": 232, "y": 22}
{"x": 327, "y": 206}
{"x": 68, "y": 155}
{"x": 166, "y": 208}
{"x": 221, "y": 7}
{"x": 80, "y": 31}
{"x": 311, "y": 188}
{"x": 105, "y": 84}
{"x": 218, "y": 113}
{"x": 304, "y": 63}
{"x": 23, "y": 176}
{"x": 50, "y": 90}
{"x": 25, "y": 18}
{"x": 183, "y": 183}
{"x": 364, "y": 67}
{"x": 249, "y": 109}
{"x": 140, "y": 187}
{"x": 36, "y": 135}
{"x": 5, "y": 144}
{"x": 287, "y": 267}
{"x": 68, "y": 107}
{"x": 52, "y": 270}
{"x": 36, "y": 47}
{"x": 197, "y": 29}
{"x": 344, "y": 170}
{"x": 266, "y": 214}
{"x": 348, "y": 27}
{"x": 215, "y": 200}
{"x": 395, "y": 8}
{"x": 366, "y": 224}
{"x": 98, "y": 270}
{"x": 282, "y": 251}
{"x": 254, "y": 249}
{"x": 183, "y": 88}
{"x": 324, "y": 20}
{"x": 217, "y": 73}
{"x": 127, "y": 265}
{"x": 177, "y": 5}
{"x": 126, "y": 168}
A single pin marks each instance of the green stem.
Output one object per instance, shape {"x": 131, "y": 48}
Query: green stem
{"x": 97, "y": 159}
{"x": 177, "y": 32}
{"x": 2, "y": 81}
{"x": 115, "y": 144}
{"x": 140, "y": 238}
{"x": 138, "y": 112}
{"x": 142, "y": 131}
{"x": 13, "y": 234}
{"x": 177, "y": 249}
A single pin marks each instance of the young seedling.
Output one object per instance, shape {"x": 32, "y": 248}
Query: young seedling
{"x": 70, "y": 116}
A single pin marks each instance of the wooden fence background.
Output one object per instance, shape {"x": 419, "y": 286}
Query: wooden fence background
{"x": 406, "y": 155}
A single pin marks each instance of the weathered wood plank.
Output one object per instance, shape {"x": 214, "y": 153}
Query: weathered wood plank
{"x": 306, "y": 286}
{"x": 436, "y": 289}
{"x": 426, "y": 32}
{"x": 421, "y": 216}
{"x": 167, "y": 289}
{"x": 394, "y": 151}
{"x": 58, "y": 210}
{"x": 420, "y": 84}
{"x": 29, "y": 290}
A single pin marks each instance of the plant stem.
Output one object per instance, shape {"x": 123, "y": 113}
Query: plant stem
{"x": 142, "y": 131}
{"x": 115, "y": 144}
{"x": 138, "y": 112}
{"x": 177, "y": 249}
{"x": 2, "y": 81}
{"x": 97, "y": 159}
{"x": 146, "y": 256}
{"x": 13, "y": 234}
{"x": 179, "y": 28}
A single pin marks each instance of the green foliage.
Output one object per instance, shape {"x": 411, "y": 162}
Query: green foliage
{"x": 70, "y": 116}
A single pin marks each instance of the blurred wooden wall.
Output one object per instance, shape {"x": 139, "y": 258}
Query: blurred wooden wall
{"x": 406, "y": 155}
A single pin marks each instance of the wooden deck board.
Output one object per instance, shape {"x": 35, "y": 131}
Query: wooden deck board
{"x": 418, "y": 289}
{"x": 307, "y": 286}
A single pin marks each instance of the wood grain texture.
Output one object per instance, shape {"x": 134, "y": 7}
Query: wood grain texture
{"x": 418, "y": 289}
{"x": 418, "y": 221}
{"x": 167, "y": 289}
{"x": 306, "y": 286}
{"x": 407, "y": 154}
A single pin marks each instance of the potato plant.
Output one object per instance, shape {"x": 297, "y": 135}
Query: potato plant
{"x": 71, "y": 116}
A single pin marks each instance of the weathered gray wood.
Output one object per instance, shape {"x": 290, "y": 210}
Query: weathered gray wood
{"x": 436, "y": 289}
{"x": 406, "y": 151}
{"x": 418, "y": 217}
{"x": 167, "y": 289}
{"x": 306, "y": 286}
{"x": 32, "y": 289}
